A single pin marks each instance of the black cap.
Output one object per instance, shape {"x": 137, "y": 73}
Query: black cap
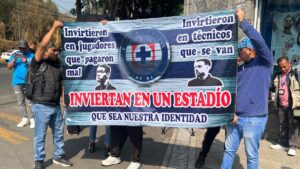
{"x": 23, "y": 44}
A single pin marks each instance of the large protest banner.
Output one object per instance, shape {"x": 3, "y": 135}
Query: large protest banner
{"x": 173, "y": 71}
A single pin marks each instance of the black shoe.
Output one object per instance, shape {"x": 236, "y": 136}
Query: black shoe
{"x": 106, "y": 151}
{"x": 62, "y": 161}
{"x": 39, "y": 165}
{"x": 73, "y": 130}
{"x": 200, "y": 162}
{"x": 92, "y": 147}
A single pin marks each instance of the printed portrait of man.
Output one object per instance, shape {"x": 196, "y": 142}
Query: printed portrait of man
{"x": 203, "y": 77}
{"x": 102, "y": 77}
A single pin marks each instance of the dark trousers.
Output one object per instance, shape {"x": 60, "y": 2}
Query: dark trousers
{"x": 119, "y": 136}
{"x": 209, "y": 137}
{"x": 288, "y": 127}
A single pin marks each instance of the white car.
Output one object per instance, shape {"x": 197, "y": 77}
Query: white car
{"x": 6, "y": 55}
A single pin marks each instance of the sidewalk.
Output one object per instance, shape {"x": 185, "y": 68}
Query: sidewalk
{"x": 183, "y": 150}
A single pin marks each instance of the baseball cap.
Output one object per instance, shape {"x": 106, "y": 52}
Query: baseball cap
{"x": 23, "y": 44}
{"x": 245, "y": 43}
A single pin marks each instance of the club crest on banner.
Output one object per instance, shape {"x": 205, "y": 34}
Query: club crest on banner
{"x": 144, "y": 55}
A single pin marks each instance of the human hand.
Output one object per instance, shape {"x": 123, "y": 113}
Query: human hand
{"x": 57, "y": 24}
{"x": 235, "y": 119}
{"x": 104, "y": 22}
{"x": 241, "y": 15}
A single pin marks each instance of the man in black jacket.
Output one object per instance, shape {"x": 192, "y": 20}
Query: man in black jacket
{"x": 47, "y": 90}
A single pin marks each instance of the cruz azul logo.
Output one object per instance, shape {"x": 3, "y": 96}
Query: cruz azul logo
{"x": 144, "y": 55}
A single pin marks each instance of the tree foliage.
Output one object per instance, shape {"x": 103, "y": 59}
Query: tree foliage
{"x": 30, "y": 19}
{"x": 130, "y": 9}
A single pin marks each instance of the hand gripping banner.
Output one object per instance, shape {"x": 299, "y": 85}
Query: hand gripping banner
{"x": 173, "y": 71}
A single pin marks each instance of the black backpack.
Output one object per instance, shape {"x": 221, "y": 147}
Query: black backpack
{"x": 33, "y": 79}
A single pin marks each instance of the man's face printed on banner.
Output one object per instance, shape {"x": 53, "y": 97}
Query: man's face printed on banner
{"x": 288, "y": 22}
{"x": 101, "y": 75}
{"x": 201, "y": 69}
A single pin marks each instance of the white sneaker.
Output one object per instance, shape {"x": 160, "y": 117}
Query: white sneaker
{"x": 278, "y": 147}
{"x": 292, "y": 152}
{"x": 111, "y": 161}
{"x": 24, "y": 122}
{"x": 134, "y": 165}
{"x": 32, "y": 123}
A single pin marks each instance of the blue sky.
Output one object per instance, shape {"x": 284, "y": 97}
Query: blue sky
{"x": 65, "y": 5}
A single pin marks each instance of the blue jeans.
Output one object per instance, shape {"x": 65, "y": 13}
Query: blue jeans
{"x": 93, "y": 131}
{"x": 249, "y": 128}
{"x": 44, "y": 116}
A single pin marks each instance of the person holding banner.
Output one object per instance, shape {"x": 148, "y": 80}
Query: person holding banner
{"x": 119, "y": 135}
{"x": 46, "y": 93}
{"x": 253, "y": 82}
{"x": 102, "y": 77}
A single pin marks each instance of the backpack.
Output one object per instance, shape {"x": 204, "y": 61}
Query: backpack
{"x": 33, "y": 79}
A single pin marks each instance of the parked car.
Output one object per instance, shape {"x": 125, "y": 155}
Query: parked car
{"x": 6, "y": 55}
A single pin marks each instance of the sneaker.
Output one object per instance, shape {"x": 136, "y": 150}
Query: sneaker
{"x": 278, "y": 147}
{"x": 38, "y": 165}
{"x": 32, "y": 123}
{"x": 111, "y": 161}
{"x": 62, "y": 161}
{"x": 92, "y": 147}
{"x": 200, "y": 162}
{"x": 134, "y": 165}
{"x": 24, "y": 122}
{"x": 292, "y": 152}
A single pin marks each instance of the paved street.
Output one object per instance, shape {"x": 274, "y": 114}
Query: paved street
{"x": 176, "y": 149}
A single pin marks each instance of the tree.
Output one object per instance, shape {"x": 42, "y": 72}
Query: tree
{"x": 31, "y": 19}
{"x": 132, "y": 9}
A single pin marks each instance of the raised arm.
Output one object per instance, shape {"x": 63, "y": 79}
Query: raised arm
{"x": 260, "y": 46}
{"x": 47, "y": 38}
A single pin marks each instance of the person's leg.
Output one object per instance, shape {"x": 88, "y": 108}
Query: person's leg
{"x": 232, "y": 143}
{"x": 29, "y": 113}
{"x": 136, "y": 138}
{"x": 92, "y": 139}
{"x": 21, "y": 104}
{"x": 42, "y": 116}
{"x": 283, "y": 126}
{"x": 293, "y": 133}
{"x": 107, "y": 141}
{"x": 209, "y": 137}
{"x": 93, "y": 131}
{"x": 253, "y": 129}
{"x": 118, "y": 138}
{"x": 57, "y": 126}
{"x": 21, "y": 100}
{"x": 107, "y": 136}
